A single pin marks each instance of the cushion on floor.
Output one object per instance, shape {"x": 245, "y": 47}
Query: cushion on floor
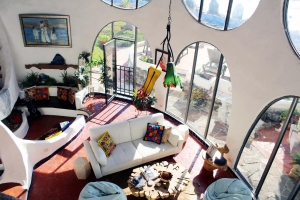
{"x": 124, "y": 156}
{"x": 227, "y": 189}
{"x": 102, "y": 190}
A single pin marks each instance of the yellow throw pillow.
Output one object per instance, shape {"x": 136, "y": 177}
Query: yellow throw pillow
{"x": 53, "y": 135}
{"x": 166, "y": 133}
{"x": 107, "y": 144}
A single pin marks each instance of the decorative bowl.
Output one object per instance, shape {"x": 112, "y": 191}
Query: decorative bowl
{"x": 165, "y": 176}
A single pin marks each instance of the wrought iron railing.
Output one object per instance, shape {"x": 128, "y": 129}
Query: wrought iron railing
{"x": 125, "y": 80}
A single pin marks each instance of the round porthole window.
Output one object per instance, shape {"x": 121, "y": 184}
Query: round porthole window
{"x": 221, "y": 14}
{"x": 291, "y": 23}
{"x": 127, "y": 4}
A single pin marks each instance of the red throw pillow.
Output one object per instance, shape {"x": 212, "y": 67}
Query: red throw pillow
{"x": 154, "y": 133}
{"x": 62, "y": 93}
{"x": 42, "y": 93}
{"x": 71, "y": 96}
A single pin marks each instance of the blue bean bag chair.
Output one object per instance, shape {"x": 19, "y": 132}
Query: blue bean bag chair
{"x": 102, "y": 190}
{"x": 227, "y": 189}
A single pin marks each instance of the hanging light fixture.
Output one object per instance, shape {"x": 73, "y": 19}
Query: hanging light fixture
{"x": 171, "y": 78}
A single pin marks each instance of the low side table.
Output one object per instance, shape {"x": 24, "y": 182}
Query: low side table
{"x": 178, "y": 183}
{"x": 82, "y": 168}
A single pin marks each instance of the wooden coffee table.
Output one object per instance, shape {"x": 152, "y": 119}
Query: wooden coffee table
{"x": 178, "y": 183}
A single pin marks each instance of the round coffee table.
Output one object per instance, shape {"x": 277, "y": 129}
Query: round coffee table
{"x": 178, "y": 183}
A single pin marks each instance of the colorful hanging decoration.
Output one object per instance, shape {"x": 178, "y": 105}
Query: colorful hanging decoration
{"x": 153, "y": 74}
{"x": 171, "y": 77}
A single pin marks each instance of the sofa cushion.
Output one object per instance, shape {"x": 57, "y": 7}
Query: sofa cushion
{"x": 124, "y": 156}
{"x": 152, "y": 151}
{"x": 107, "y": 144}
{"x": 138, "y": 126}
{"x": 174, "y": 137}
{"x": 62, "y": 94}
{"x": 118, "y": 131}
{"x": 167, "y": 131}
{"x": 154, "y": 133}
{"x": 99, "y": 153}
{"x": 71, "y": 96}
{"x": 31, "y": 93}
{"x": 41, "y": 93}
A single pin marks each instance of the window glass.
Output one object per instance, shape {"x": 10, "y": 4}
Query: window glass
{"x": 177, "y": 98}
{"x": 214, "y": 12}
{"x": 281, "y": 178}
{"x": 127, "y": 4}
{"x": 219, "y": 122}
{"x": 124, "y": 30}
{"x": 203, "y": 85}
{"x": 125, "y": 45}
{"x": 285, "y": 170}
{"x": 193, "y": 6}
{"x": 241, "y": 11}
{"x": 292, "y": 21}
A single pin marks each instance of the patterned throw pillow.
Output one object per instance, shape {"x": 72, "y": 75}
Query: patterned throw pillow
{"x": 62, "y": 93}
{"x": 71, "y": 96}
{"x": 107, "y": 144}
{"x": 154, "y": 133}
{"x": 166, "y": 134}
{"x": 31, "y": 93}
{"x": 42, "y": 93}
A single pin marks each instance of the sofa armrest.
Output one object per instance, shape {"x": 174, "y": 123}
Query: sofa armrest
{"x": 176, "y": 139}
{"x": 79, "y": 96}
{"x": 180, "y": 142}
{"x": 93, "y": 161}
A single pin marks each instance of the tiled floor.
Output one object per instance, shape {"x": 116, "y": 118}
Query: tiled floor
{"x": 55, "y": 179}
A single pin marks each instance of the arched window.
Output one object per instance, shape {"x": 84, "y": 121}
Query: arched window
{"x": 204, "y": 103}
{"x": 221, "y": 14}
{"x": 291, "y": 21}
{"x": 127, "y": 4}
{"x": 133, "y": 56}
{"x": 269, "y": 160}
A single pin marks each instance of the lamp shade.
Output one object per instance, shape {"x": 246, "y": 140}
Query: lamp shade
{"x": 171, "y": 77}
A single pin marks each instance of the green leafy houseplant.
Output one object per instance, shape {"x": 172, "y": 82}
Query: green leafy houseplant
{"x": 30, "y": 80}
{"x": 141, "y": 100}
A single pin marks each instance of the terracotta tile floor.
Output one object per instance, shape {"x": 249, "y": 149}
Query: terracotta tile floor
{"x": 55, "y": 179}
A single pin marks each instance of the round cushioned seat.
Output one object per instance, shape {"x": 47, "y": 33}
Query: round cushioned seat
{"x": 102, "y": 190}
{"x": 227, "y": 189}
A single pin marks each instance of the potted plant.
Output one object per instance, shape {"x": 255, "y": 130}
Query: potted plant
{"x": 141, "y": 100}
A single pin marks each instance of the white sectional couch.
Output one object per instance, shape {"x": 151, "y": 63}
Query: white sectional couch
{"x": 131, "y": 149}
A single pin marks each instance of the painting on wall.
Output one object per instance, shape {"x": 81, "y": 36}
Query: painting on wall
{"x": 45, "y": 30}
{"x": 161, "y": 57}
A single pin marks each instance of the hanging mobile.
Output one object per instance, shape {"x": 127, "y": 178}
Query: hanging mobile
{"x": 171, "y": 78}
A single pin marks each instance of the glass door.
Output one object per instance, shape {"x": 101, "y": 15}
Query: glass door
{"x": 110, "y": 70}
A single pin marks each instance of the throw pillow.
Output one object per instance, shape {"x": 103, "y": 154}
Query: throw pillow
{"x": 62, "y": 93}
{"x": 166, "y": 133}
{"x": 154, "y": 133}
{"x": 107, "y": 144}
{"x": 71, "y": 96}
{"x": 42, "y": 93}
{"x": 31, "y": 93}
{"x": 99, "y": 153}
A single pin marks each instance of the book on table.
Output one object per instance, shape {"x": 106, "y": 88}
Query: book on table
{"x": 150, "y": 174}
{"x": 138, "y": 181}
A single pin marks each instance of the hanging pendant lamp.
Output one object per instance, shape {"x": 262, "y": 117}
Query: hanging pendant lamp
{"x": 171, "y": 78}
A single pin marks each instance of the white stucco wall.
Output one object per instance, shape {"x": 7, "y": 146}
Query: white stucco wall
{"x": 261, "y": 61}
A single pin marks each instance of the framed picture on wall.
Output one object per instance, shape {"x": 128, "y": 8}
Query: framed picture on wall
{"x": 45, "y": 30}
{"x": 161, "y": 57}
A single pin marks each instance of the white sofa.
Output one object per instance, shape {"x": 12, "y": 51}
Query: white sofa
{"x": 131, "y": 149}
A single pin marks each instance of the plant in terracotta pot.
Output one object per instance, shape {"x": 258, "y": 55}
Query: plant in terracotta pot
{"x": 141, "y": 100}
